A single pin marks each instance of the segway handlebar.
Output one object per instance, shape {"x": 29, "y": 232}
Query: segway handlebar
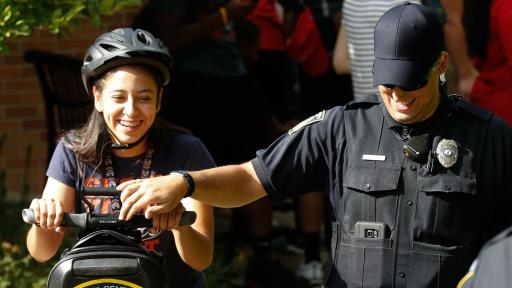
{"x": 95, "y": 221}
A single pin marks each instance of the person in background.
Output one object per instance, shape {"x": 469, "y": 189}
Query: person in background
{"x": 493, "y": 87}
{"x": 125, "y": 71}
{"x": 418, "y": 180}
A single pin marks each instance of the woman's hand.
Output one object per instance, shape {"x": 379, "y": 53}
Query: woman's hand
{"x": 157, "y": 195}
{"x": 48, "y": 213}
{"x": 168, "y": 221}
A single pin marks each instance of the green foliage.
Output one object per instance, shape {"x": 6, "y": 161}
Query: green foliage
{"x": 19, "y": 18}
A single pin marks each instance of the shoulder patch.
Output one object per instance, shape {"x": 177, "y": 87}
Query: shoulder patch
{"x": 315, "y": 118}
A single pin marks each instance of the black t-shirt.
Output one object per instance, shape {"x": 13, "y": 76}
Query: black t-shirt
{"x": 435, "y": 218}
{"x": 172, "y": 151}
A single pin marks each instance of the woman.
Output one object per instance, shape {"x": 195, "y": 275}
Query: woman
{"x": 125, "y": 71}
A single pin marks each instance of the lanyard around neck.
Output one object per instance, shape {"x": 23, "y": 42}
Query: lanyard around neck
{"x": 146, "y": 165}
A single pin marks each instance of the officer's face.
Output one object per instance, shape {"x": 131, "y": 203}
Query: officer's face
{"x": 409, "y": 107}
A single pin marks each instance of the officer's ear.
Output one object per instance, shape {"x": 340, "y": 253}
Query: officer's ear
{"x": 442, "y": 63}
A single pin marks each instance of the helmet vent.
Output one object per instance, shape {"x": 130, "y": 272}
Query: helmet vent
{"x": 108, "y": 47}
{"x": 142, "y": 38}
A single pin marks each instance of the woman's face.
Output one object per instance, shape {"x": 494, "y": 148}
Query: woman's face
{"x": 129, "y": 102}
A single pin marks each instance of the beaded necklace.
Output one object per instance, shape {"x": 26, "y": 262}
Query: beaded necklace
{"x": 111, "y": 179}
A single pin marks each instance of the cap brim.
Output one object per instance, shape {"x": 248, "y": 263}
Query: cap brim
{"x": 406, "y": 74}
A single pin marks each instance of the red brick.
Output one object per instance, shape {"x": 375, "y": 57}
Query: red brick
{"x": 43, "y": 44}
{"x": 10, "y": 71}
{"x": 14, "y": 58}
{"x": 20, "y": 112}
{"x": 9, "y": 126}
{"x": 35, "y": 125}
{"x": 10, "y": 98}
{"x": 74, "y": 45}
{"x": 22, "y": 84}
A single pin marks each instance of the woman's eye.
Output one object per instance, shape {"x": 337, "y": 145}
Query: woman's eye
{"x": 117, "y": 97}
{"x": 145, "y": 98}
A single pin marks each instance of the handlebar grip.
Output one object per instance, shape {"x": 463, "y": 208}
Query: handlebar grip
{"x": 75, "y": 220}
{"x": 69, "y": 220}
{"x": 28, "y": 216}
{"x": 188, "y": 218}
{"x": 81, "y": 220}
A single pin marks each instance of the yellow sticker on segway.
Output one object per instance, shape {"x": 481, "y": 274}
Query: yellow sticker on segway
{"x": 107, "y": 282}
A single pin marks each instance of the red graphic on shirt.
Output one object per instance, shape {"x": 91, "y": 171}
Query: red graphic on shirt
{"x": 102, "y": 204}
{"x": 151, "y": 244}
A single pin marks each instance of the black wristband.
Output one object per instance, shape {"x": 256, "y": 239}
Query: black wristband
{"x": 191, "y": 186}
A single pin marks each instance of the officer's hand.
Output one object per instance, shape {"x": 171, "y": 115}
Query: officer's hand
{"x": 48, "y": 213}
{"x": 157, "y": 195}
{"x": 168, "y": 221}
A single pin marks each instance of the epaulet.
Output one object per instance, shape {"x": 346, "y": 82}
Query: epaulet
{"x": 370, "y": 99}
{"x": 461, "y": 104}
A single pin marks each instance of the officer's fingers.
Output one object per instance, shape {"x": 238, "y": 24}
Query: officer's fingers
{"x": 128, "y": 188}
{"x": 137, "y": 201}
{"x": 154, "y": 210}
{"x": 131, "y": 205}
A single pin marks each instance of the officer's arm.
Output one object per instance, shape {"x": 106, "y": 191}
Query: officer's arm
{"x": 228, "y": 186}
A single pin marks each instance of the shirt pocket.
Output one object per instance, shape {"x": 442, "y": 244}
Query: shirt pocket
{"x": 370, "y": 194}
{"x": 446, "y": 210}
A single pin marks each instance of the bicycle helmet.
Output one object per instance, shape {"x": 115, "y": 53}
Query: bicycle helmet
{"x": 125, "y": 46}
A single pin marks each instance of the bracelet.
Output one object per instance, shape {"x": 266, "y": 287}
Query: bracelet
{"x": 191, "y": 186}
{"x": 224, "y": 15}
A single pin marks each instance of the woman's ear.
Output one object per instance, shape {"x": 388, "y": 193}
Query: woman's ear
{"x": 98, "y": 104}
{"x": 159, "y": 99}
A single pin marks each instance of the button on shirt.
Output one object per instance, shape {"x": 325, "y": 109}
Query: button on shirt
{"x": 433, "y": 233}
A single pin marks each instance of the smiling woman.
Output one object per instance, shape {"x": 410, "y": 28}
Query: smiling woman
{"x": 125, "y": 71}
{"x": 129, "y": 98}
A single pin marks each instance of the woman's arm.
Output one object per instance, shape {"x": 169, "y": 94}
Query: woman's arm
{"x": 44, "y": 241}
{"x": 195, "y": 242}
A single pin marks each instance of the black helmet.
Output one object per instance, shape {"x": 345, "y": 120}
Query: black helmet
{"x": 125, "y": 46}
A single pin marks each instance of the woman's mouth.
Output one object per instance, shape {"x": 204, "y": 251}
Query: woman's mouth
{"x": 129, "y": 124}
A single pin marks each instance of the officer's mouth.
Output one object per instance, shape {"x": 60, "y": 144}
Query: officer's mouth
{"x": 403, "y": 106}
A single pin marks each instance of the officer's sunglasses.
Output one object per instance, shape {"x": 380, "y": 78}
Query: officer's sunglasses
{"x": 419, "y": 85}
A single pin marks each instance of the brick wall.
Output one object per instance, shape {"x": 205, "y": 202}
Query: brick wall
{"x": 22, "y": 114}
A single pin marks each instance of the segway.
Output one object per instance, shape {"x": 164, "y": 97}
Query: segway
{"x": 109, "y": 252}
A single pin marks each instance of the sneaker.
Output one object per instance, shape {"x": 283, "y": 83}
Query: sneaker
{"x": 263, "y": 272}
{"x": 311, "y": 271}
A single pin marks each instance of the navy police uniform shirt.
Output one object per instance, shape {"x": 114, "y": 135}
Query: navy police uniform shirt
{"x": 398, "y": 222}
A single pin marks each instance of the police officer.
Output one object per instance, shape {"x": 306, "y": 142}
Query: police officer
{"x": 417, "y": 179}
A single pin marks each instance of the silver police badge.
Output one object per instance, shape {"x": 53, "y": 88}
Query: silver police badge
{"x": 447, "y": 152}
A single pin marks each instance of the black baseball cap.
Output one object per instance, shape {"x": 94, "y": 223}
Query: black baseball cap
{"x": 408, "y": 39}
